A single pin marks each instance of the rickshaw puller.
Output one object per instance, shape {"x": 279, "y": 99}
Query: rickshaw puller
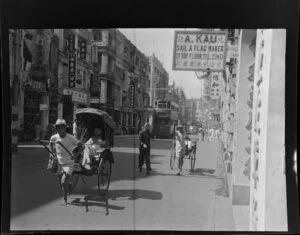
{"x": 65, "y": 163}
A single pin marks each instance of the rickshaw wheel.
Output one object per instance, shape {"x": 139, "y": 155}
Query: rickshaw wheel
{"x": 104, "y": 175}
{"x": 74, "y": 180}
{"x": 172, "y": 158}
{"x": 192, "y": 160}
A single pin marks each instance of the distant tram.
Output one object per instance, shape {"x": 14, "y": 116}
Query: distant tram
{"x": 165, "y": 116}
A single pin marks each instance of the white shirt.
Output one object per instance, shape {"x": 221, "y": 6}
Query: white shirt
{"x": 69, "y": 141}
{"x": 179, "y": 141}
{"x": 91, "y": 147}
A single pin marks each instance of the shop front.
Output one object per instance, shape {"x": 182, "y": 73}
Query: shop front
{"x": 79, "y": 100}
{"x": 32, "y": 115}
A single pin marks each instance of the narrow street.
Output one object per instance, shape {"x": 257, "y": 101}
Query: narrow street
{"x": 196, "y": 200}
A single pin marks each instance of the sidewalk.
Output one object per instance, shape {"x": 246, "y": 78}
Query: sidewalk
{"x": 210, "y": 162}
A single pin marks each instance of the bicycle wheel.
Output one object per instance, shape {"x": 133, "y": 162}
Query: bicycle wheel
{"x": 172, "y": 158}
{"x": 192, "y": 160}
{"x": 104, "y": 174}
{"x": 74, "y": 180}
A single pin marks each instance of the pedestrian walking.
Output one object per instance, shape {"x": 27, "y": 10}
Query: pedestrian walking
{"x": 144, "y": 137}
{"x": 179, "y": 147}
{"x": 65, "y": 163}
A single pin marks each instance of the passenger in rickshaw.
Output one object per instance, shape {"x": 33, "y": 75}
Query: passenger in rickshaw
{"x": 188, "y": 145}
{"x": 93, "y": 147}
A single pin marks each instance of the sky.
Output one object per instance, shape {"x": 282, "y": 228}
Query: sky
{"x": 161, "y": 42}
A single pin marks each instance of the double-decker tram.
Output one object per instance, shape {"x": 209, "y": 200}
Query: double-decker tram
{"x": 165, "y": 116}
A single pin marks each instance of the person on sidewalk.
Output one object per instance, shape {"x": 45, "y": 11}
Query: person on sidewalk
{"x": 179, "y": 147}
{"x": 93, "y": 147}
{"x": 65, "y": 162}
{"x": 144, "y": 137}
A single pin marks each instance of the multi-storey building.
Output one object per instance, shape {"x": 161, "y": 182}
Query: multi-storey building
{"x": 159, "y": 80}
{"x": 15, "y": 62}
{"x": 75, "y": 69}
{"x": 38, "y": 81}
{"x": 61, "y": 70}
{"x": 121, "y": 79}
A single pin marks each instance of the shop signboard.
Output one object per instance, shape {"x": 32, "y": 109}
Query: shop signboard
{"x": 72, "y": 70}
{"x": 82, "y": 49}
{"x": 43, "y": 106}
{"x": 199, "y": 50}
{"x": 76, "y": 95}
{"x": 71, "y": 42}
{"x": 94, "y": 100}
{"x": 215, "y": 85}
{"x": 132, "y": 95}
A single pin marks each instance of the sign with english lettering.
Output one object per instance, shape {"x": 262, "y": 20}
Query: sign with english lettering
{"x": 199, "y": 50}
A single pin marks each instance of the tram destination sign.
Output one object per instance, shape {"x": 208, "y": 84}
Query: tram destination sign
{"x": 199, "y": 50}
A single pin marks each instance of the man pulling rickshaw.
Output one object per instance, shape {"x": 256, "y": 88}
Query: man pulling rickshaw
{"x": 86, "y": 154}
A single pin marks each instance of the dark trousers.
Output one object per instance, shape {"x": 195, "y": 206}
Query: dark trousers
{"x": 145, "y": 155}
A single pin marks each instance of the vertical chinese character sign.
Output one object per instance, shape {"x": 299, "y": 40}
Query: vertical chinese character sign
{"x": 82, "y": 48}
{"x": 215, "y": 85}
{"x": 72, "y": 42}
{"x": 132, "y": 95}
{"x": 72, "y": 70}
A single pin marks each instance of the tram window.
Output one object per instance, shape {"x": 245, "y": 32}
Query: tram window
{"x": 168, "y": 105}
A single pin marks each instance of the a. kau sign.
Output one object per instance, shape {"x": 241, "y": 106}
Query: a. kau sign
{"x": 199, "y": 50}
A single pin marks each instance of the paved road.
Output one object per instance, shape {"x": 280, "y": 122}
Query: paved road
{"x": 161, "y": 201}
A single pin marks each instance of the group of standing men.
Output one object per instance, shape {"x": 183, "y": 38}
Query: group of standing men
{"x": 209, "y": 133}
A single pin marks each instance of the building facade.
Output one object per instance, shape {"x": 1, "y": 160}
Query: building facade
{"x": 159, "y": 80}
{"x": 54, "y": 72}
{"x": 252, "y": 115}
{"x": 268, "y": 201}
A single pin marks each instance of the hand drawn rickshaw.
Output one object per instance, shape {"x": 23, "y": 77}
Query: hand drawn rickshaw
{"x": 86, "y": 120}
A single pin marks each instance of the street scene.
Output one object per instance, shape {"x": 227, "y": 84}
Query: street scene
{"x": 148, "y": 129}
{"x": 134, "y": 201}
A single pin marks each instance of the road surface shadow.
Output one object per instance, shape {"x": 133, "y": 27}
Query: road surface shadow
{"x": 93, "y": 198}
{"x": 203, "y": 171}
{"x": 154, "y": 160}
{"x": 185, "y": 173}
{"x": 100, "y": 201}
{"x": 129, "y": 194}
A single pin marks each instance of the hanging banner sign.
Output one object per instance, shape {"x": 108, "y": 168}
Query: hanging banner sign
{"x": 132, "y": 95}
{"x": 72, "y": 42}
{"x": 72, "y": 70}
{"x": 232, "y": 51}
{"x": 199, "y": 50}
{"x": 82, "y": 49}
{"x": 215, "y": 85}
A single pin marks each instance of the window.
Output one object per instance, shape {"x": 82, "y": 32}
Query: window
{"x": 110, "y": 64}
{"x": 98, "y": 35}
{"x": 137, "y": 61}
{"x": 28, "y": 36}
{"x": 110, "y": 43}
{"x": 100, "y": 59}
{"x": 84, "y": 79}
{"x": 126, "y": 52}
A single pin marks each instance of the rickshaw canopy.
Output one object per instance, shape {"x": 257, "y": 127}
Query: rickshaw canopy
{"x": 92, "y": 111}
